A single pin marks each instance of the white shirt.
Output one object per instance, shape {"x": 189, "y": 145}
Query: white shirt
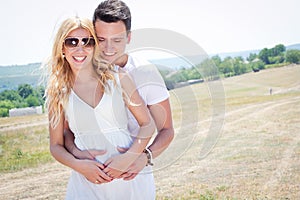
{"x": 150, "y": 85}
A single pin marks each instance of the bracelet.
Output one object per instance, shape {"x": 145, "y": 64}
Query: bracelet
{"x": 149, "y": 156}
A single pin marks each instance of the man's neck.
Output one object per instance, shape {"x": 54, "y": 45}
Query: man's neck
{"x": 122, "y": 61}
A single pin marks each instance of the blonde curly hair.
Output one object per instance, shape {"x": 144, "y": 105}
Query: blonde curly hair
{"x": 60, "y": 76}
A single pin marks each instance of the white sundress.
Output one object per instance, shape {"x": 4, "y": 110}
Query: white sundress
{"x": 104, "y": 127}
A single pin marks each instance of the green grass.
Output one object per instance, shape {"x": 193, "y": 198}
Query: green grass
{"x": 24, "y": 148}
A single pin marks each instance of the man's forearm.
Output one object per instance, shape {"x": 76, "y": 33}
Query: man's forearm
{"x": 69, "y": 142}
{"x": 161, "y": 141}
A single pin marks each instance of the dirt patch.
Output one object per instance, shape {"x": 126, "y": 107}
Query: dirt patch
{"x": 44, "y": 182}
{"x": 256, "y": 157}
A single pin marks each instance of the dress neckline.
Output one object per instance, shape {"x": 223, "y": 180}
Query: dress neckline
{"x": 88, "y": 105}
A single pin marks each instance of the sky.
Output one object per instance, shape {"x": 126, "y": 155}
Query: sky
{"x": 217, "y": 26}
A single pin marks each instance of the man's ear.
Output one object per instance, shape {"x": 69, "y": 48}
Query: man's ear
{"x": 128, "y": 37}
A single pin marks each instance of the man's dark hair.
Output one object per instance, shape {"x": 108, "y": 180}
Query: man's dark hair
{"x": 113, "y": 11}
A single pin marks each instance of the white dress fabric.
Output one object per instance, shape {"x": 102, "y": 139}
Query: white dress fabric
{"x": 104, "y": 127}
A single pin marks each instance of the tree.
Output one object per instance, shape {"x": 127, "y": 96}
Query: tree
{"x": 25, "y": 96}
{"x": 194, "y": 73}
{"x": 257, "y": 65}
{"x": 277, "y": 50}
{"x": 208, "y": 70}
{"x": 4, "y": 112}
{"x": 238, "y": 66}
{"x": 32, "y": 101}
{"x": 226, "y": 67}
{"x": 39, "y": 92}
{"x": 276, "y": 59}
{"x": 10, "y": 95}
{"x": 292, "y": 56}
{"x": 264, "y": 55}
{"x": 217, "y": 60}
{"x": 5, "y": 106}
{"x": 25, "y": 90}
{"x": 252, "y": 57}
{"x": 273, "y": 55}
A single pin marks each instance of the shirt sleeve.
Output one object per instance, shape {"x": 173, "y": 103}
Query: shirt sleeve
{"x": 150, "y": 84}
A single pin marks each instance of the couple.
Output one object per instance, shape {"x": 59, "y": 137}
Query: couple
{"x": 109, "y": 106}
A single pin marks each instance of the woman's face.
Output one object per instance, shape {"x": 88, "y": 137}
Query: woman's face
{"x": 79, "y": 48}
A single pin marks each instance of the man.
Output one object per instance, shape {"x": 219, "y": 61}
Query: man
{"x": 112, "y": 21}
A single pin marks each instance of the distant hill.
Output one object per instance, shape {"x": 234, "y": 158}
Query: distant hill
{"x": 245, "y": 54}
{"x": 293, "y": 46}
{"x": 12, "y": 76}
{"x": 180, "y": 62}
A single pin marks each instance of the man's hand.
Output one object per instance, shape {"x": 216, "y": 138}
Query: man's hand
{"x": 88, "y": 154}
{"x": 135, "y": 167}
{"x": 117, "y": 165}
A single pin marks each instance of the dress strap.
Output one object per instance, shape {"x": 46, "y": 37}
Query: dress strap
{"x": 116, "y": 76}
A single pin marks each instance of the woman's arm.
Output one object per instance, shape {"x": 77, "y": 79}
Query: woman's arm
{"x": 92, "y": 170}
{"x": 161, "y": 113}
{"x": 119, "y": 164}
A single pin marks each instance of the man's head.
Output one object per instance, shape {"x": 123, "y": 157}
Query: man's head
{"x": 113, "y": 11}
{"x": 112, "y": 21}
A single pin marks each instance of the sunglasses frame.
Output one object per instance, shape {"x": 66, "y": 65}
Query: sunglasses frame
{"x": 84, "y": 42}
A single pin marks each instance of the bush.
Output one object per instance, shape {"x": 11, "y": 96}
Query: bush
{"x": 3, "y": 112}
{"x": 6, "y": 104}
{"x": 293, "y": 56}
{"x": 258, "y": 65}
{"x": 32, "y": 101}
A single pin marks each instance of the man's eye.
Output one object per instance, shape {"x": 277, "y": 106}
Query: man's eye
{"x": 117, "y": 40}
{"x": 100, "y": 39}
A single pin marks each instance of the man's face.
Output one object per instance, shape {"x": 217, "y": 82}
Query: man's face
{"x": 112, "y": 40}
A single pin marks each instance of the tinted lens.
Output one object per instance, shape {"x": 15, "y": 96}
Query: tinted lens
{"x": 88, "y": 42}
{"x": 71, "y": 42}
{"x": 85, "y": 42}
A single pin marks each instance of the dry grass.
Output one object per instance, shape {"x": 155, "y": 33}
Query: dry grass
{"x": 25, "y": 144}
{"x": 257, "y": 154}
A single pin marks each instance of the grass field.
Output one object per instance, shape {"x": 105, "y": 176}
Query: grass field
{"x": 251, "y": 142}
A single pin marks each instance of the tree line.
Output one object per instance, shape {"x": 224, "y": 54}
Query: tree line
{"x": 214, "y": 67}
{"x": 25, "y": 96}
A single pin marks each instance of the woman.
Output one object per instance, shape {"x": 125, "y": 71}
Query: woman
{"x": 91, "y": 97}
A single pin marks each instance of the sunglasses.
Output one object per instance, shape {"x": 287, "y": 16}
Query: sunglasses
{"x": 85, "y": 42}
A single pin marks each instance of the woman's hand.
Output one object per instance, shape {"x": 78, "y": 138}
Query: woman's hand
{"x": 93, "y": 171}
